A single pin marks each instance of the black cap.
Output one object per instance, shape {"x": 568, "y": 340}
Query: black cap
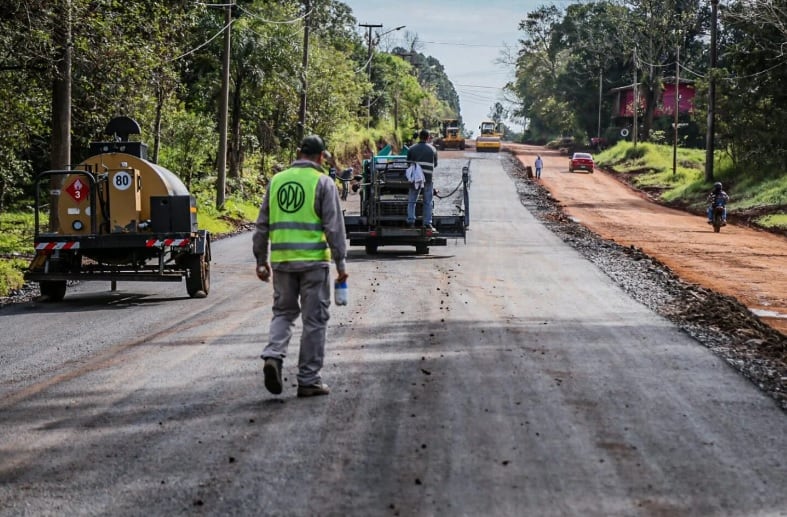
{"x": 312, "y": 145}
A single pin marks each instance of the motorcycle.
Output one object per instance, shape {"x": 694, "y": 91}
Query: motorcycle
{"x": 345, "y": 177}
{"x": 718, "y": 218}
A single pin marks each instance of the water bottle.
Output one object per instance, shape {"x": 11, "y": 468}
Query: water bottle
{"x": 340, "y": 293}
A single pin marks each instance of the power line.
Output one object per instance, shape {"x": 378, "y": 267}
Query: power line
{"x": 655, "y": 65}
{"x": 479, "y": 86}
{"x": 755, "y": 74}
{"x": 201, "y": 45}
{"x": 250, "y": 13}
{"x": 281, "y": 22}
{"x": 464, "y": 44}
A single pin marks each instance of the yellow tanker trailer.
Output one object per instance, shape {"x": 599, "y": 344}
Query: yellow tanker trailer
{"x": 117, "y": 216}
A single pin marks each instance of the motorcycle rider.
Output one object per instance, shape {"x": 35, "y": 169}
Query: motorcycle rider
{"x": 333, "y": 172}
{"x": 717, "y": 197}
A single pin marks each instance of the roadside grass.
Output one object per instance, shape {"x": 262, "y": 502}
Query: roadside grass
{"x": 16, "y": 233}
{"x": 11, "y": 275}
{"x": 650, "y": 168}
{"x": 16, "y": 240}
{"x": 773, "y": 221}
{"x": 236, "y": 212}
{"x": 652, "y": 165}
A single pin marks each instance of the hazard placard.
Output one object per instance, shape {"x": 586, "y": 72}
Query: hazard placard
{"x": 79, "y": 190}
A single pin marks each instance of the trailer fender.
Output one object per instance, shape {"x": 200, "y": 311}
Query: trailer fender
{"x": 202, "y": 243}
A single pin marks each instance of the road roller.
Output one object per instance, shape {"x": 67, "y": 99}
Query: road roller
{"x": 117, "y": 217}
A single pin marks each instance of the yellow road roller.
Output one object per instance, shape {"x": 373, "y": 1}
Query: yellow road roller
{"x": 117, "y": 217}
{"x": 489, "y": 139}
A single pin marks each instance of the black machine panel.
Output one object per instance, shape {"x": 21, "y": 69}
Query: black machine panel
{"x": 138, "y": 149}
{"x": 173, "y": 214}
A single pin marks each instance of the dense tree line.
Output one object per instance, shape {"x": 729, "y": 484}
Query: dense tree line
{"x": 161, "y": 63}
{"x": 567, "y": 55}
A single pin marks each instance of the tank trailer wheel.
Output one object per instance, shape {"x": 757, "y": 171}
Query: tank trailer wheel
{"x": 371, "y": 249}
{"x": 198, "y": 279}
{"x": 422, "y": 249}
{"x": 53, "y": 291}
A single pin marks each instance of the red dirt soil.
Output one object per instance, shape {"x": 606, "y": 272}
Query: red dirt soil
{"x": 741, "y": 262}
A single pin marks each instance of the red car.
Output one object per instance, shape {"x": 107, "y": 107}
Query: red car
{"x": 581, "y": 162}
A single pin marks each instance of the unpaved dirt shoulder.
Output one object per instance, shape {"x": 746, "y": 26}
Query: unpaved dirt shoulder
{"x": 739, "y": 262}
{"x": 719, "y": 322}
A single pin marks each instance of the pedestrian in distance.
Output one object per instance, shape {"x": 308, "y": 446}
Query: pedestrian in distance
{"x": 301, "y": 223}
{"x": 424, "y": 154}
{"x": 539, "y": 165}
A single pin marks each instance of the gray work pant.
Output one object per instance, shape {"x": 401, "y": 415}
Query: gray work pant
{"x": 312, "y": 289}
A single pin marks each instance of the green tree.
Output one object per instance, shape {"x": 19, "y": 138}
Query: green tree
{"x": 497, "y": 113}
{"x": 652, "y": 30}
{"x": 540, "y": 62}
{"x": 596, "y": 60}
{"x": 752, "y": 103}
{"x": 190, "y": 144}
{"x": 27, "y": 65}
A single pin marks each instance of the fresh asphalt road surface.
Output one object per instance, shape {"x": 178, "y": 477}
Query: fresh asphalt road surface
{"x": 505, "y": 376}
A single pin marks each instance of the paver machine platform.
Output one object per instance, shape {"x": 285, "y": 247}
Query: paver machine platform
{"x": 117, "y": 216}
{"x": 383, "y": 209}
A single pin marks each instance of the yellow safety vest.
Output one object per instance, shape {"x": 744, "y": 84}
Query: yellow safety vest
{"x": 296, "y": 233}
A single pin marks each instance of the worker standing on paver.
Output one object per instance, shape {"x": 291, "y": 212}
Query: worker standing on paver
{"x": 302, "y": 219}
{"x": 425, "y": 155}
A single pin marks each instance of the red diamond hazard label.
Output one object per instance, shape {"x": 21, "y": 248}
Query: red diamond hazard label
{"x": 79, "y": 190}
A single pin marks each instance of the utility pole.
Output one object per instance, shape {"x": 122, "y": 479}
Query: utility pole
{"x": 600, "y": 100}
{"x": 61, "y": 106}
{"x": 709, "y": 136}
{"x": 221, "y": 180}
{"x": 61, "y": 90}
{"x": 636, "y": 103}
{"x": 369, "y": 28}
{"x": 677, "y": 107}
{"x": 304, "y": 79}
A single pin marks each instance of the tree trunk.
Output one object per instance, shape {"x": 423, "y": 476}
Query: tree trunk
{"x": 221, "y": 179}
{"x": 157, "y": 123}
{"x": 61, "y": 105}
{"x": 235, "y": 133}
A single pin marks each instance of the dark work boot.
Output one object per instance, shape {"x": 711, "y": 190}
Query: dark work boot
{"x": 272, "y": 372}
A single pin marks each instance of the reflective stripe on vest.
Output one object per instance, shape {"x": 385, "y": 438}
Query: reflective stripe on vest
{"x": 296, "y": 233}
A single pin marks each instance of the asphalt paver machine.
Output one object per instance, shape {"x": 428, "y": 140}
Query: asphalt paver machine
{"x": 383, "y": 208}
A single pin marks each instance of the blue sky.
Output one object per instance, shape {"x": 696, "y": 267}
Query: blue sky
{"x": 467, "y": 37}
